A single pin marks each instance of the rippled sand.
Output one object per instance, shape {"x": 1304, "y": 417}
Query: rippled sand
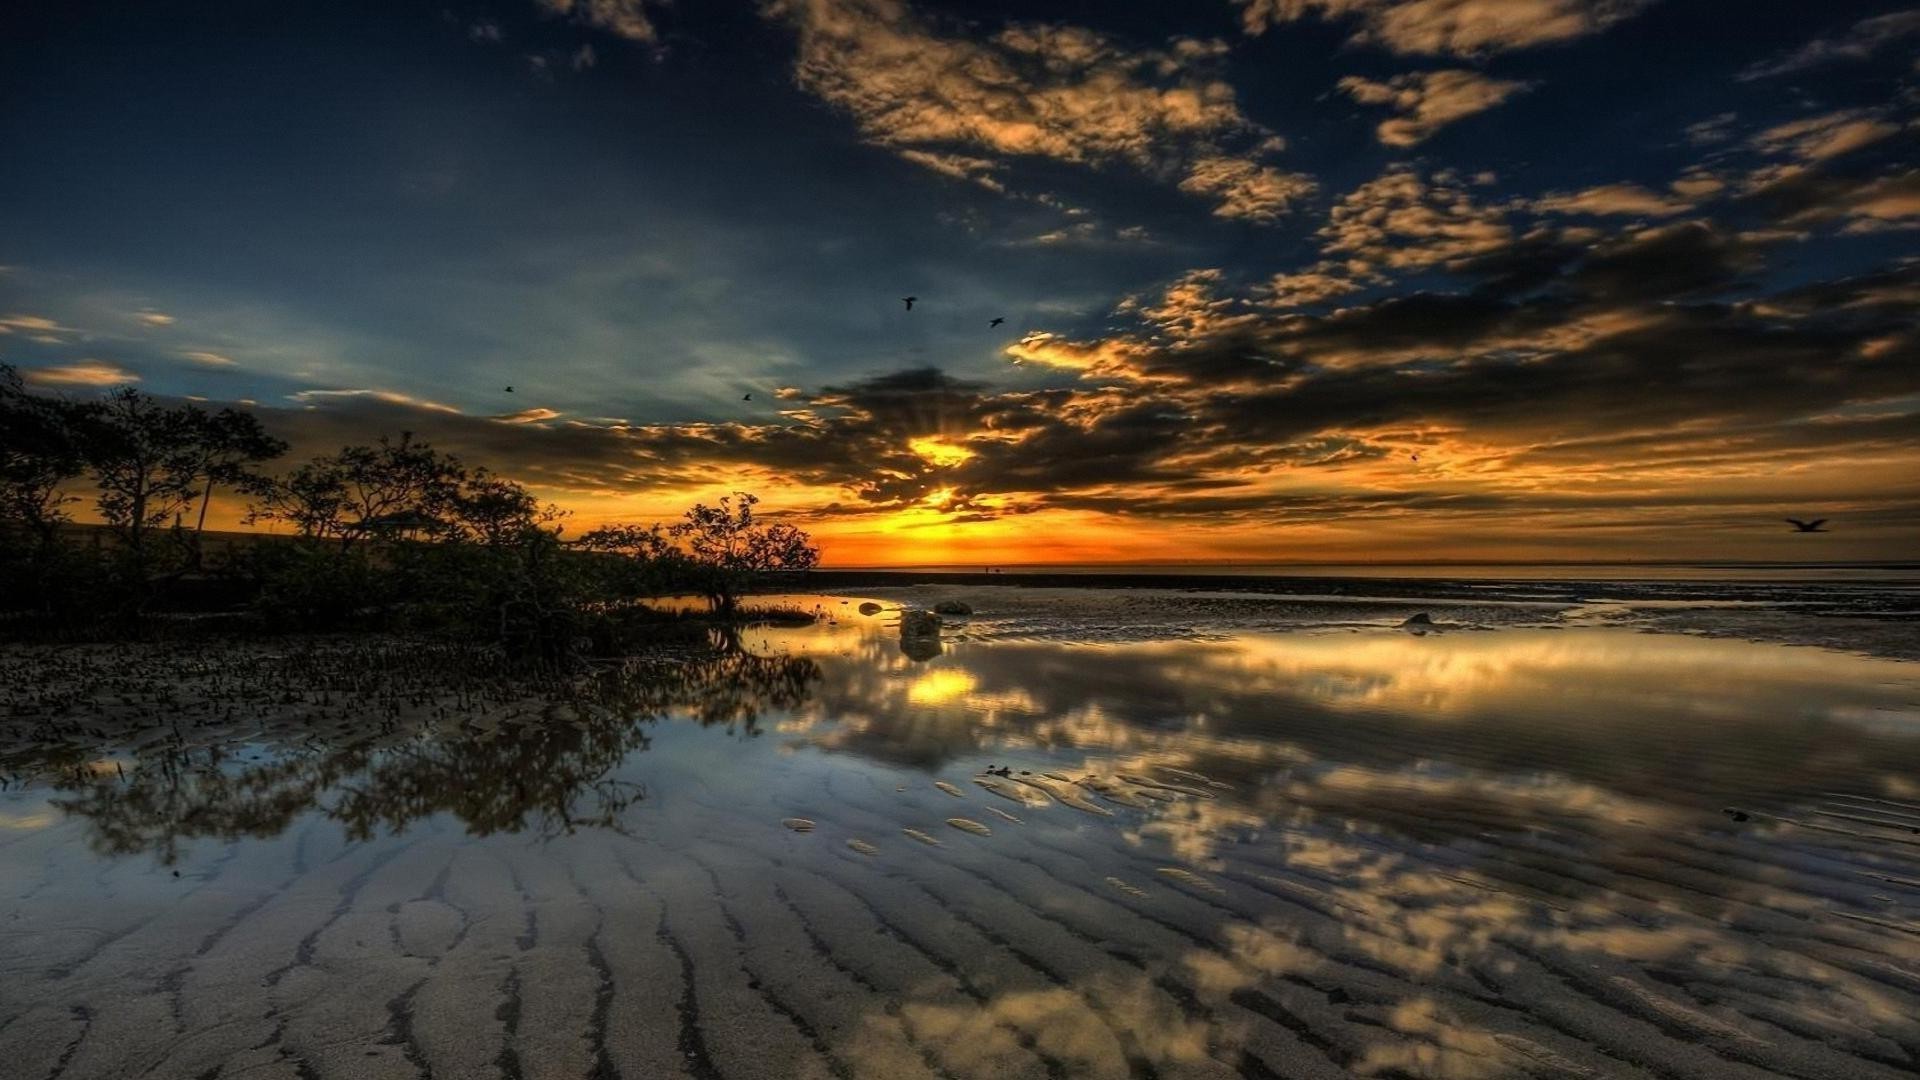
{"x": 1464, "y": 855}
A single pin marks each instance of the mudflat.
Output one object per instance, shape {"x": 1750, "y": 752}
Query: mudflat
{"x": 1095, "y": 832}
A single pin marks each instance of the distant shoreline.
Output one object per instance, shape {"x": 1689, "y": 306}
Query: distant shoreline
{"x": 1319, "y": 569}
{"x": 1878, "y": 591}
{"x": 1289, "y": 577}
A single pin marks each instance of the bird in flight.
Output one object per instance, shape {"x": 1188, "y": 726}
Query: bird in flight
{"x": 908, "y": 300}
{"x": 509, "y": 389}
{"x": 746, "y": 397}
{"x": 1415, "y": 457}
{"x": 1807, "y": 526}
{"x": 996, "y": 322}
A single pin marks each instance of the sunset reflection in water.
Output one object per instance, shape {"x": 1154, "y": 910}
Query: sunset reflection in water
{"x": 1467, "y": 853}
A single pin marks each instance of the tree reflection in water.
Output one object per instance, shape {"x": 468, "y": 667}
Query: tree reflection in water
{"x": 550, "y": 768}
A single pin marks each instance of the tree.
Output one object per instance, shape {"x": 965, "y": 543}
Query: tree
{"x": 230, "y": 444}
{"x": 731, "y": 551}
{"x": 639, "y": 542}
{"x": 41, "y": 450}
{"x": 487, "y": 509}
{"x": 633, "y": 560}
{"x": 394, "y": 488}
{"x": 146, "y": 460}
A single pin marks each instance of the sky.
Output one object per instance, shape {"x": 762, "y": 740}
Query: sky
{"x": 1280, "y": 280}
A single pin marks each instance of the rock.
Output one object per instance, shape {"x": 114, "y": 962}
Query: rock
{"x": 953, "y": 607}
{"x": 919, "y": 634}
{"x": 1422, "y": 619}
{"x": 869, "y": 608}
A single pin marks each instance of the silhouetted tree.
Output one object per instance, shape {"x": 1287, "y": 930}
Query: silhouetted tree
{"x": 633, "y": 541}
{"x": 487, "y": 509}
{"x": 731, "y": 551}
{"x": 394, "y": 488}
{"x": 230, "y": 445}
{"x": 145, "y": 458}
{"x": 41, "y": 450}
{"x": 151, "y": 462}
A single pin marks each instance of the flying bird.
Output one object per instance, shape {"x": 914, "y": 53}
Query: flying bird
{"x": 509, "y": 389}
{"x": 908, "y": 300}
{"x": 746, "y": 397}
{"x": 1807, "y": 526}
{"x": 996, "y": 322}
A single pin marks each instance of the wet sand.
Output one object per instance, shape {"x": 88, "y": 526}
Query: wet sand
{"x": 1338, "y": 850}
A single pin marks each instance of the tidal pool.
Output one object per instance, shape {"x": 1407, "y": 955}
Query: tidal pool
{"x": 1525, "y": 851}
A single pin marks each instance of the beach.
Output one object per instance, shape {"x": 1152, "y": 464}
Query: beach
{"x": 1167, "y": 828}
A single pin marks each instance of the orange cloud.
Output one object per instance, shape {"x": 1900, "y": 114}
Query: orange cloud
{"x": 84, "y": 373}
{"x": 1818, "y": 138}
{"x": 1621, "y": 199}
{"x": 312, "y": 397}
{"x": 33, "y": 324}
{"x": 1035, "y": 90}
{"x": 1428, "y": 100}
{"x": 1402, "y": 220}
{"x": 528, "y": 416}
{"x": 1455, "y": 27}
{"x": 1244, "y": 189}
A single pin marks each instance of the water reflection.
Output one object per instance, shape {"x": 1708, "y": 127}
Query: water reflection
{"x": 547, "y": 763}
{"x": 1329, "y": 854}
{"x": 1653, "y": 717}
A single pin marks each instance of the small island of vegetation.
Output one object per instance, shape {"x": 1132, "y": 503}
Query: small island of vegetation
{"x": 392, "y": 536}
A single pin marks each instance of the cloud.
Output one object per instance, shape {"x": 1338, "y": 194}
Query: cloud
{"x": 1051, "y": 350}
{"x": 965, "y": 106}
{"x": 1243, "y": 189}
{"x": 317, "y": 397}
{"x": 1714, "y": 129}
{"x": 528, "y": 416}
{"x": 32, "y": 324}
{"x": 1613, "y": 387}
{"x": 155, "y": 318}
{"x": 1616, "y": 199}
{"x": 486, "y": 30}
{"x": 622, "y": 18}
{"x": 1309, "y": 286}
{"x": 210, "y": 359}
{"x": 1829, "y": 135}
{"x": 1428, "y": 100}
{"x": 1449, "y": 27}
{"x": 979, "y": 170}
{"x": 1859, "y": 42}
{"x": 1404, "y": 220}
{"x": 83, "y": 373}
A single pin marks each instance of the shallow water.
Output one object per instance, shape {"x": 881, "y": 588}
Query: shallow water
{"x": 1219, "y": 851}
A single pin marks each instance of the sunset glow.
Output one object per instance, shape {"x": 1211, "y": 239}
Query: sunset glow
{"x": 1241, "y": 282}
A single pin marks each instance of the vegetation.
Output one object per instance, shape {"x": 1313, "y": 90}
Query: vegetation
{"x": 730, "y": 551}
{"x": 392, "y": 535}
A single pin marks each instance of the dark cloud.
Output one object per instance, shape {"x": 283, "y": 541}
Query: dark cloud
{"x": 1608, "y": 364}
